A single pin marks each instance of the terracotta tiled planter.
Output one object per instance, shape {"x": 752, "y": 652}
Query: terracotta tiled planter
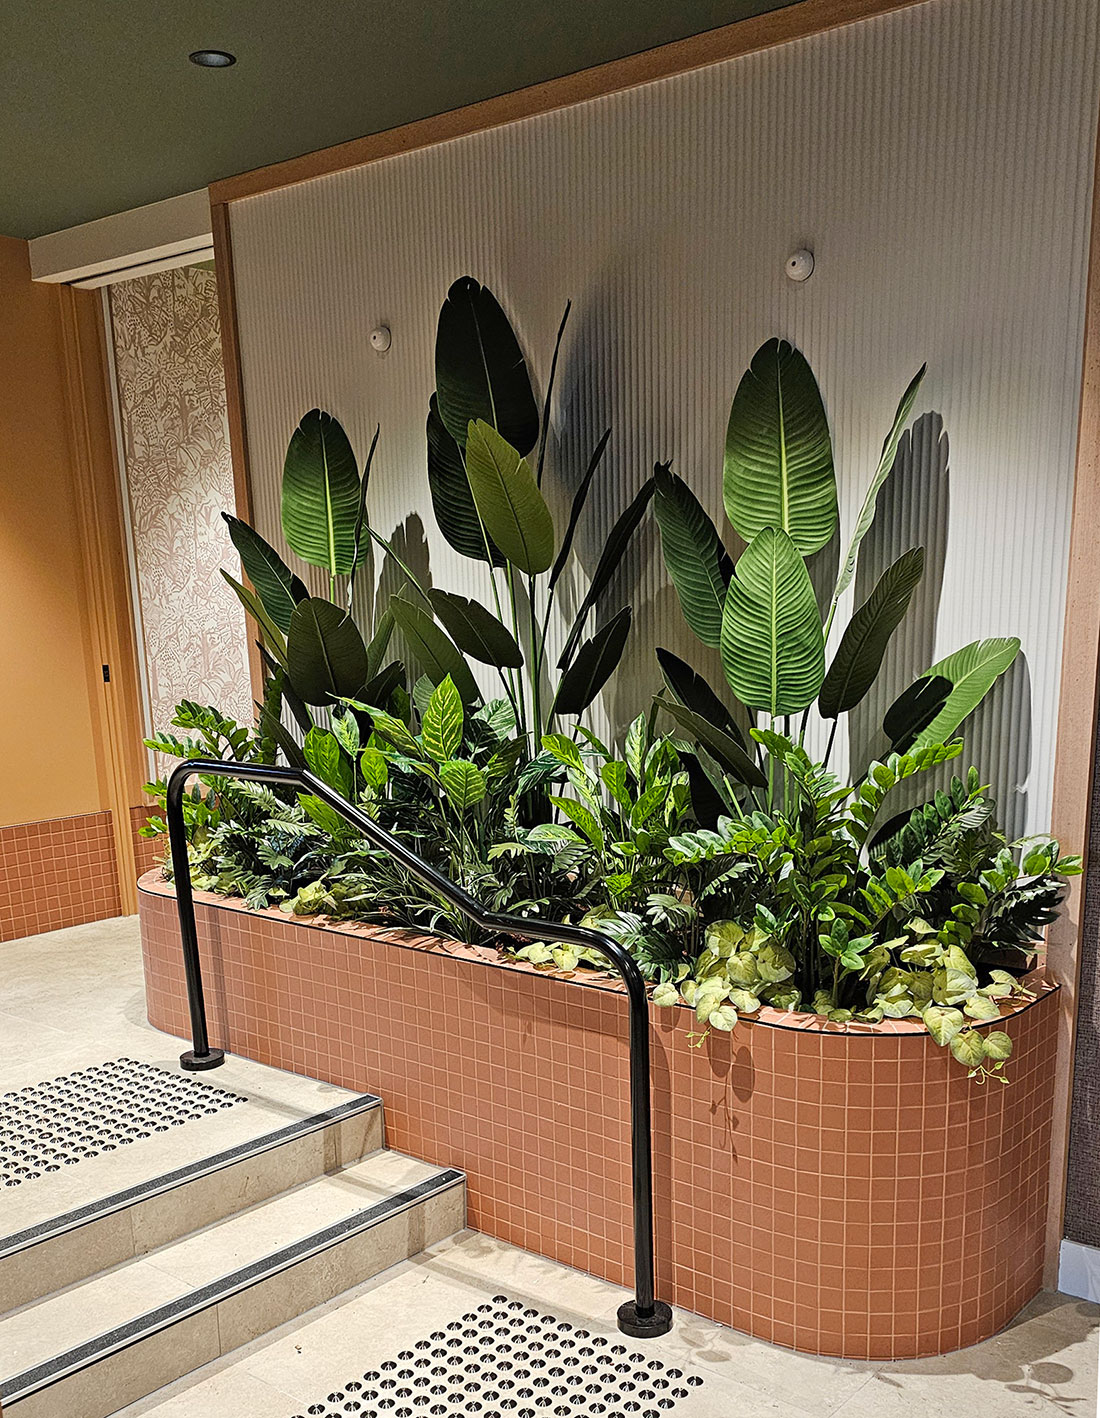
{"x": 843, "y": 1191}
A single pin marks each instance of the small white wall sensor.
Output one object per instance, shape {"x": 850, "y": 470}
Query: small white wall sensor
{"x": 800, "y": 265}
{"x": 381, "y": 339}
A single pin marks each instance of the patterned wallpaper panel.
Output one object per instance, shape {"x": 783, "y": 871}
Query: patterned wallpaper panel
{"x": 171, "y": 385}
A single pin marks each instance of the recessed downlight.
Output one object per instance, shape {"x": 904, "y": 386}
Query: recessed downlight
{"x": 212, "y": 58}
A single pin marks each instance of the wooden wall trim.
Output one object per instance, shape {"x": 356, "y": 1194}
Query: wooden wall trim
{"x": 116, "y": 703}
{"x": 748, "y": 36}
{"x": 234, "y": 397}
{"x": 1078, "y": 703}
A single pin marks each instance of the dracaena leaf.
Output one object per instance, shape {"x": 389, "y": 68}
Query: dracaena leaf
{"x": 595, "y": 663}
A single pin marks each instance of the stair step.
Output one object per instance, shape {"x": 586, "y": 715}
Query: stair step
{"x": 114, "y": 1338}
{"x": 62, "y": 1250}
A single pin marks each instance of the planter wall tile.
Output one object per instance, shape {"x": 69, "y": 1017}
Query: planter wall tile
{"x": 845, "y": 1193}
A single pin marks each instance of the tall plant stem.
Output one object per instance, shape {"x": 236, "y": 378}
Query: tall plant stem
{"x": 536, "y": 663}
{"x": 829, "y": 745}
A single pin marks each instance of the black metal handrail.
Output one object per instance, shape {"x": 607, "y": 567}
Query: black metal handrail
{"x": 644, "y": 1317}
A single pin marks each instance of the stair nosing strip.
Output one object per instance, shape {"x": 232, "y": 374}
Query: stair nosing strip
{"x": 192, "y": 1171}
{"x": 122, "y": 1337}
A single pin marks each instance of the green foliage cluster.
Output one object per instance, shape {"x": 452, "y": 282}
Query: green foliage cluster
{"x": 738, "y": 869}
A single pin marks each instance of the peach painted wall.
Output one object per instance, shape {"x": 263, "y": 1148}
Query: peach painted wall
{"x": 47, "y": 741}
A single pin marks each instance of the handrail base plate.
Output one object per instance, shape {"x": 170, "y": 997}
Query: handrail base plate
{"x": 196, "y": 1063}
{"x": 650, "y": 1326}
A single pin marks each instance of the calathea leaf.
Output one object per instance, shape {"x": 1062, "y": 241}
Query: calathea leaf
{"x": 859, "y": 656}
{"x": 721, "y": 746}
{"x": 435, "y": 652}
{"x": 272, "y": 635}
{"x": 692, "y": 690}
{"x": 441, "y": 730}
{"x": 697, "y": 561}
{"x": 452, "y": 500}
{"x": 914, "y": 710}
{"x": 326, "y": 657}
{"x": 480, "y": 372}
{"x": 972, "y": 671}
{"x": 779, "y": 457}
{"x": 276, "y": 585}
{"x": 464, "y": 784}
{"x": 326, "y": 758}
{"x": 508, "y": 500}
{"x": 882, "y": 472}
{"x": 773, "y": 650}
{"x": 321, "y": 495}
{"x": 579, "y": 499}
{"x": 476, "y": 631}
{"x": 594, "y": 665}
{"x": 610, "y": 558}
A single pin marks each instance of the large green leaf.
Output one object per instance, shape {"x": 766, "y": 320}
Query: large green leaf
{"x": 452, "y": 500}
{"x": 882, "y": 472}
{"x": 972, "y": 672}
{"x": 579, "y": 499}
{"x": 441, "y": 728}
{"x": 321, "y": 495}
{"x": 326, "y": 758}
{"x": 773, "y": 651}
{"x": 476, "y": 631}
{"x": 859, "y": 656}
{"x": 720, "y": 745}
{"x": 326, "y": 657}
{"x": 276, "y": 585}
{"x": 596, "y": 662}
{"x": 697, "y": 561}
{"x": 779, "y": 457}
{"x": 480, "y": 372}
{"x": 914, "y": 709}
{"x": 273, "y": 637}
{"x": 610, "y": 560}
{"x": 692, "y": 690}
{"x": 436, "y": 654}
{"x": 508, "y": 500}
{"x": 379, "y": 642}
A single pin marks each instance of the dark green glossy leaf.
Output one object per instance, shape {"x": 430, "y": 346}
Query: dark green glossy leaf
{"x": 972, "y": 672}
{"x": 476, "y": 631}
{"x": 779, "y": 457}
{"x": 596, "y": 662}
{"x": 452, "y": 500}
{"x": 326, "y": 657}
{"x": 480, "y": 372}
{"x": 275, "y": 729}
{"x": 321, "y": 494}
{"x": 609, "y": 562}
{"x": 276, "y": 585}
{"x": 726, "y": 750}
{"x": 436, "y": 654}
{"x": 859, "y": 655}
{"x": 379, "y": 642}
{"x": 272, "y": 635}
{"x": 914, "y": 710}
{"x": 692, "y": 690}
{"x": 293, "y": 701}
{"x": 697, "y": 561}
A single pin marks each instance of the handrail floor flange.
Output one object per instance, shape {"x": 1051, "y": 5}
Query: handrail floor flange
{"x": 644, "y": 1317}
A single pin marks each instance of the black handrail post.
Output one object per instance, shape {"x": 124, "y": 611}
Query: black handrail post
{"x": 201, "y": 1056}
{"x": 644, "y": 1317}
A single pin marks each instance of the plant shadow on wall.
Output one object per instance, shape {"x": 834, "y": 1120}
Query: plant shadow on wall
{"x": 740, "y": 870}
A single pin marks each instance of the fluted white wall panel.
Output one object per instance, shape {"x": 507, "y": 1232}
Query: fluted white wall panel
{"x": 939, "y": 162}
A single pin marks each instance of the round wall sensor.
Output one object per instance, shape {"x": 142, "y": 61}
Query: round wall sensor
{"x": 381, "y": 339}
{"x": 800, "y": 265}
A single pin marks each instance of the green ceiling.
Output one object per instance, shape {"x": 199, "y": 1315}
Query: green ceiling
{"x": 100, "y": 109}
